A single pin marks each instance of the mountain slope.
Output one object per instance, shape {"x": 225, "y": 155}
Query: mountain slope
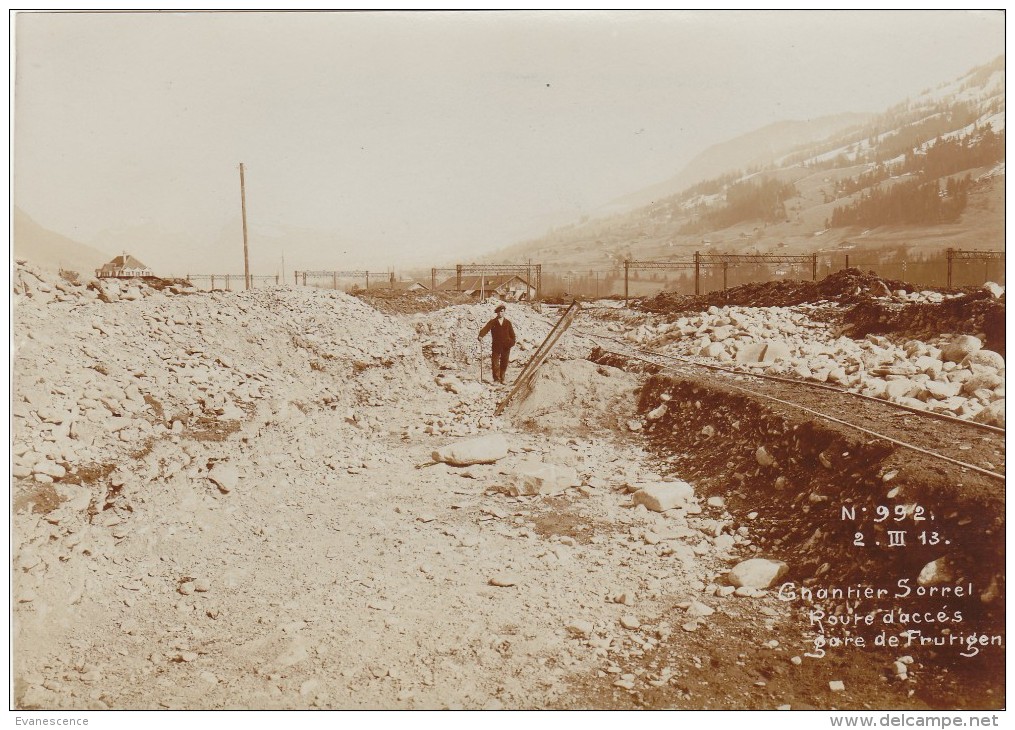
{"x": 925, "y": 174}
{"x": 52, "y": 251}
{"x": 755, "y": 149}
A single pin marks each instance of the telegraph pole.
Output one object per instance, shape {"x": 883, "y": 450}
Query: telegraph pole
{"x": 243, "y": 210}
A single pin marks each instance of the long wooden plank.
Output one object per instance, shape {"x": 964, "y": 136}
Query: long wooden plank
{"x": 544, "y": 349}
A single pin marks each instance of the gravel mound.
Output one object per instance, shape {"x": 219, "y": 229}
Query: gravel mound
{"x": 103, "y": 370}
{"x": 391, "y": 301}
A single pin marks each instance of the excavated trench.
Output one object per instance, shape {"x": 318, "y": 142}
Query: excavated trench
{"x": 835, "y": 506}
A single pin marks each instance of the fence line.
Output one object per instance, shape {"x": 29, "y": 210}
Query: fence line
{"x": 227, "y": 279}
{"x": 336, "y": 275}
{"x": 703, "y": 272}
{"x": 719, "y": 259}
{"x": 959, "y": 255}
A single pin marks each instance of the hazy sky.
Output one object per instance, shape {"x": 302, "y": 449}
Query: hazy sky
{"x": 413, "y": 137}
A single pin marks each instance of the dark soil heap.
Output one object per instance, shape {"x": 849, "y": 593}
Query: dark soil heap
{"x": 845, "y": 287}
{"x": 974, "y": 312}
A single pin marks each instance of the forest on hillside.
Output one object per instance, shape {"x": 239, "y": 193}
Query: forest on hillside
{"x": 762, "y": 199}
{"x": 921, "y": 200}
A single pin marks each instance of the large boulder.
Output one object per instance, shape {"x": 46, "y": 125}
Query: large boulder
{"x": 763, "y": 352}
{"x": 940, "y": 390}
{"x": 757, "y": 573}
{"x": 132, "y": 294}
{"x": 751, "y": 352}
{"x": 663, "y": 496}
{"x": 875, "y": 388}
{"x": 992, "y": 415}
{"x": 722, "y": 333}
{"x": 537, "y": 477}
{"x": 900, "y": 388}
{"x": 777, "y": 351}
{"x": 985, "y": 357}
{"x": 929, "y": 365}
{"x": 763, "y": 457}
{"x": 983, "y": 381}
{"x": 936, "y": 572}
{"x": 482, "y": 450}
{"x": 960, "y": 348}
{"x": 996, "y": 290}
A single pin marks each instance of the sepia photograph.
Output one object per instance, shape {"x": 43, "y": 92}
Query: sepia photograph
{"x": 506, "y": 361}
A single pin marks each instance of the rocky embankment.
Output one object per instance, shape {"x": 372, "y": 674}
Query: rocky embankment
{"x": 951, "y": 373}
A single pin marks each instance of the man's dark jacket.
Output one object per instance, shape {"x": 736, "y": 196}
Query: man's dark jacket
{"x": 503, "y": 334}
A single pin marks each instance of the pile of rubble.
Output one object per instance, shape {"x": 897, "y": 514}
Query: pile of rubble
{"x": 981, "y": 311}
{"x": 104, "y": 369}
{"x": 951, "y": 374}
{"x": 401, "y": 301}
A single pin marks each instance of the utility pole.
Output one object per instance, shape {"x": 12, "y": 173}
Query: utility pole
{"x": 243, "y": 210}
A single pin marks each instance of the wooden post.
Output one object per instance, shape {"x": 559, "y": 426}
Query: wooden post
{"x": 458, "y": 277}
{"x": 213, "y": 282}
{"x": 814, "y": 267}
{"x": 304, "y": 278}
{"x": 948, "y": 253}
{"x": 243, "y": 210}
{"x": 296, "y": 278}
{"x": 725, "y": 268}
{"x": 368, "y": 279}
{"x": 433, "y": 279}
{"x": 276, "y": 279}
{"x": 334, "y": 280}
{"x": 539, "y": 281}
{"x": 697, "y": 273}
{"x": 847, "y": 261}
{"x": 627, "y": 268}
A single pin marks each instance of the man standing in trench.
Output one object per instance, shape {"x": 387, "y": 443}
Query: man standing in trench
{"x": 503, "y": 336}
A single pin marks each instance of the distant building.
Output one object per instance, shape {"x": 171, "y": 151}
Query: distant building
{"x": 509, "y": 287}
{"x": 124, "y": 266}
{"x": 408, "y": 286}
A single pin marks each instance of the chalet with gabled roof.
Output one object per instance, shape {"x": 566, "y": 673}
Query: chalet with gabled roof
{"x": 124, "y": 266}
{"x": 509, "y": 287}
